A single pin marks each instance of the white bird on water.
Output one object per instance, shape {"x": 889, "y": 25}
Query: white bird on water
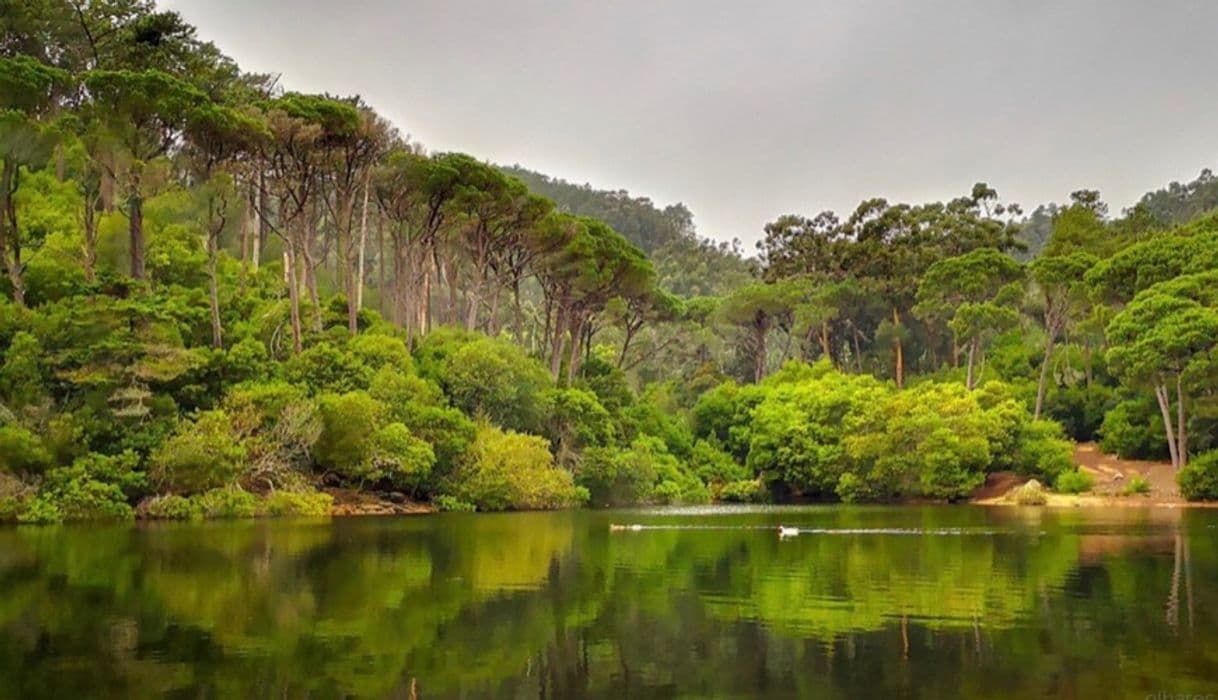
{"x": 784, "y": 531}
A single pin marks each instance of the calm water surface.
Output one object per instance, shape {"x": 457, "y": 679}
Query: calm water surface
{"x": 934, "y": 602}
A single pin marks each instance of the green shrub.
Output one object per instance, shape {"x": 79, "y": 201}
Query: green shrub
{"x": 714, "y": 466}
{"x": 228, "y": 502}
{"x": 400, "y": 458}
{"x": 1133, "y": 429}
{"x": 200, "y": 455}
{"x": 349, "y": 422}
{"x": 40, "y": 511}
{"x": 258, "y": 404}
{"x": 645, "y": 472}
{"x": 172, "y": 507}
{"x": 799, "y": 431}
{"x": 612, "y": 480}
{"x": 378, "y": 351}
{"x": 449, "y": 504}
{"x": 743, "y": 491}
{"x": 512, "y": 471}
{"x": 575, "y": 420}
{"x": 494, "y": 379}
{"x": 668, "y": 493}
{"x": 22, "y": 452}
{"x": 311, "y": 504}
{"x": 78, "y": 496}
{"x": 1042, "y": 451}
{"x": 449, "y": 432}
{"x": 1198, "y": 480}
{"x": 247, "y": 359}
{"x": 725, "y": 414}
{"x": 933, "y": 439}
{"x": 122, "y": 470}
{"x": 1030, "y": 494}
{"x": 326, "y": 368}
{"x": 1137, "y": 486}
{"x": 851, "y": 489}
{"x": 1076, "y": 481}
{"x": 656, "y": 415}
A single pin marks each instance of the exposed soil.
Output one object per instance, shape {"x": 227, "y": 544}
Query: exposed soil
{"x": 1112, "y": 475}
{"x": 353, "y": 502}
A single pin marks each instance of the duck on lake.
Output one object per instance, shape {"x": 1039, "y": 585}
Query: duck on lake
{"x": 784, "y": 531}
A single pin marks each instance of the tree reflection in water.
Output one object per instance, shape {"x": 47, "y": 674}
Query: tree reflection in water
{"x": 983, "y": 602}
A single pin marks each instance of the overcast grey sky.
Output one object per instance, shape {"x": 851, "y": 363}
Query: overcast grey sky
{"x": 747, "y": 110}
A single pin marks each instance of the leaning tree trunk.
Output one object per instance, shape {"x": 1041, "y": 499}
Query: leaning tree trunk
{"x": 1181, "y": 424}
{"x": 1169, "y": 431}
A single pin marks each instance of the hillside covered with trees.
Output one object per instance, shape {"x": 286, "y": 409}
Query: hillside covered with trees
{"x": 222, "y": 298}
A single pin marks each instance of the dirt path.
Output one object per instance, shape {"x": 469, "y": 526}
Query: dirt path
{"x": 1112, "y": 475}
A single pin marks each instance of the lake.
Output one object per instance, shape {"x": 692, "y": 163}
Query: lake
{"x": 919, "y": 602}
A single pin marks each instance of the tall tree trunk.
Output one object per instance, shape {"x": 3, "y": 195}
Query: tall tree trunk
{"x": 10, "y": 234}
{"x": 354, "y": 306}
{"x": 213, "y": 289}
{"x": 577, "y": 330}
{"x": 401, "y": 313}
{"x": 293, "y": 280}
{"x": 424, "y": 301}
{"x": 310, "y": 274}
{"x": 1169, "y": 431}
{"x": 556, "y": 345}
{"x": 759, "y": 350}
{"x": 89, "y": 249}
{"x": 858, "y": 351}
{"x": 380, "y": 264}
{"x": 972, "y": 358}
{"x": 825, "y": 345}
{"x": 896, "y": 323}
{"x": 517, "y": 312}
{"x": 136, "y": 229}
{"x": 471, "y": 308}
{"x": 1181, "y": 423}
{"x": 1044, "y": 376}
{"x": 244, "y": 242}
{"x": 260, "y": 222}
{"x": 492, "y": 314}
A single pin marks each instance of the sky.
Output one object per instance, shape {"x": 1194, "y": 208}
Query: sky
{"x": 748, "y": 110}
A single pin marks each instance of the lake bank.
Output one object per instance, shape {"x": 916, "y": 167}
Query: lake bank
{"x": 1112, "y": 475}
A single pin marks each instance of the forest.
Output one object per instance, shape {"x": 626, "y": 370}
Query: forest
{"x": 222, "y": 298}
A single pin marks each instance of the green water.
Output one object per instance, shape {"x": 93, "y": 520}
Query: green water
{"x": 934, "y": 602}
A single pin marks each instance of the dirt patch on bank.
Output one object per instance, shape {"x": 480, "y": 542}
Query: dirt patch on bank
{"x": 1112, "y": 475}
{"x": 353, "y": 502}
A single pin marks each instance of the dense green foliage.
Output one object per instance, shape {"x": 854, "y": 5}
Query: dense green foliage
{"x": 1199, "y": 480}
{"x": 219, "y": 298}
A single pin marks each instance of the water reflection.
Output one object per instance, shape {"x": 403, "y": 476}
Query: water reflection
{"x": 978, "y": 602}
